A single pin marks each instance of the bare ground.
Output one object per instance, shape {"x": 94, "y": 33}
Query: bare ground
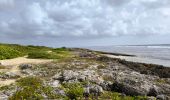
{"x": 12, "y": 66}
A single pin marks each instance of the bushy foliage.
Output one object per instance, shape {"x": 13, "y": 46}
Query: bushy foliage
{"x": 8, "y": 53}
{"x": 32, "y": 88}
{"x": 74, "y": 90}
{"x": 43, "y": 55}
{"x": 117, "y": 96}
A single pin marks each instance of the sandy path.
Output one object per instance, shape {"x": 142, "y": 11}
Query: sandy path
{"x": 12, "y": 66}
{"x": 21, "y": 60}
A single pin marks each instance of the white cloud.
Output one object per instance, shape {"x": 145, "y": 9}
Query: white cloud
{"x": 84, "y": 18}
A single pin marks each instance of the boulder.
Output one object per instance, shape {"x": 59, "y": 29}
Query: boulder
{"x": 132, "y": 83}
{"x": 93, "y": 89}
{"x": 9, "y": 75}
{"x": 154, "y": 91}
{"x": 25, "y": 66}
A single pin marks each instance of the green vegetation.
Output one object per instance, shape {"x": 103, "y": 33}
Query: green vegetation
{"x": 9, "y": 51}
{"x": 73, "y": 90}
{"x": 43, "y": 55}
{"x": 32, "y": 88}
{"x": 107, "y": 95}
{"x": 7, "y": 87}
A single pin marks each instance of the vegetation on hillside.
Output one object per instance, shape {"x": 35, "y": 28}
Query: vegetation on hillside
{"x": 9, "y": 51}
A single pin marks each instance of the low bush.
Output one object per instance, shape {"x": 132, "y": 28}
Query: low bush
{"x": 43, "y": 55}
{"x": 74, "y": 90}
{"x": 8, "y": 53}
{"x": 32, "y": 88}
{"x": 118, "y": 96}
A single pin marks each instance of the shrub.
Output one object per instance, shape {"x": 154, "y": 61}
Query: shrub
{"x": 32, "y": 88}
{"x": 8, "y": 53}
{"x": 73, "y": 90}
{"x": 117, "y": 96}
{"x": 43, "y": 55}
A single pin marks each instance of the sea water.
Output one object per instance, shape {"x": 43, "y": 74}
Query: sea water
{"x": 145, "y": 54}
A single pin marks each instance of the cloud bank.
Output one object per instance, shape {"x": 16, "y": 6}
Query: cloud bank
{"x": 20, "y": 19}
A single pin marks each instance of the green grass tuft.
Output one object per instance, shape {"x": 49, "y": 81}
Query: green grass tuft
{"x": 32, "y": 88}
{"x": 74, "y": 90}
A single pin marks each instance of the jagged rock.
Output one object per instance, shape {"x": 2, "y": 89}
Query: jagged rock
{"x": 151, "y": 98}
{"x": 132, "y": 83}
{"x": 57, "y": 76}
{"x": 69, "y": 75}
{"x": 60, "y": 92}
{"x": 93, "y": 89}
{"x": 25, "y": 66}
{"x": 55, "y": 83}
{"x": 3, "y": 96}
{"x": 9, "y": 75}
{"x": 106, "y": 85}
{"x": 27, "y": 72}
{"x": 160, "y": 97}
{"x": 87, "y": 55}
{"x": 154, "y": 91}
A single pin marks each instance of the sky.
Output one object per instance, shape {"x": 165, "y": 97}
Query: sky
{"x": 75, "y": 23}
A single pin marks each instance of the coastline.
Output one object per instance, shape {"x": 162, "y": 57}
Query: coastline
{"x": 138, "y": 59}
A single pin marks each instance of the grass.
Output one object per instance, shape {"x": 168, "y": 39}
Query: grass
{"x": 108, "y": 78}
{"x": 7, "y": 87}
{"x": 108, "y": 95}
{"x": 73, "y": 90}
{"x": 9, "y": 51}
{"x": 32, "y": 88}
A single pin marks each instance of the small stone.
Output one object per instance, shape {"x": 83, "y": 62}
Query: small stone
{"x": 56, "y": 83}
{"x": 160, "y": 97}
{"x": 151, "y": 98}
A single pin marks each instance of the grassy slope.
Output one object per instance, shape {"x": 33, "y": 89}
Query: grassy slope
{"x": 9, "y": 51}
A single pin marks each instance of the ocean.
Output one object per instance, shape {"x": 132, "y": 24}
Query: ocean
{"x": 154, "y": 54}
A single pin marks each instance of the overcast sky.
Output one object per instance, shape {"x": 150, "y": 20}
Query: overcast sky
{"x": 84, "y": 22}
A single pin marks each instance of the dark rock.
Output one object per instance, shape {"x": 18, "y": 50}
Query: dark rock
{"x": 127, "y": 89}
{"x": 25, "y": 66}
{"x": 153, "y": 91}
{"x": 106, "y": 85}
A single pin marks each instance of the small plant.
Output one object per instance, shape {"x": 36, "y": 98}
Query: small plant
{"x": 118, "y": 96}
{"x": 101, "y": 66}
{"x": 32, "y": 88}
{"x": 73, "y": 90}
{"x": 108, "y": 78}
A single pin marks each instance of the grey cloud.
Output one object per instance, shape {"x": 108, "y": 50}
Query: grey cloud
{"x": 83, "y": 18}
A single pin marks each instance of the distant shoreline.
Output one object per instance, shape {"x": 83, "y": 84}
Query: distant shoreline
{"x": 134, "y": 58}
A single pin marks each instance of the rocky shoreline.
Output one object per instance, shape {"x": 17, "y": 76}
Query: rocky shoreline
{"x": 97, "y": 74}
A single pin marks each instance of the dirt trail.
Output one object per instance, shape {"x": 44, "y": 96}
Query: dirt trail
{"x": 21, "y": 60}
{"x": 12, "y": 66}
